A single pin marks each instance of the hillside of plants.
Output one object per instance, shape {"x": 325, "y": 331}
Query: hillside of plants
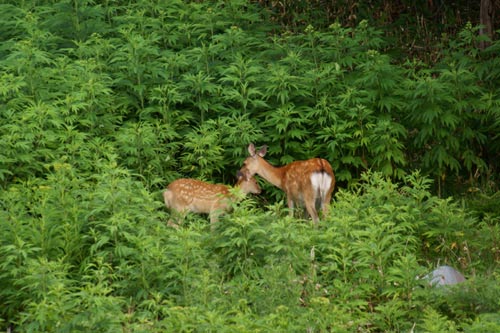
{"x": 104, "y": 103}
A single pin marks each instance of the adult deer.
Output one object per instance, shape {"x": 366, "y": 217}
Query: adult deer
{"x": 304, "y": 182}
{"x": 192, "y": 195}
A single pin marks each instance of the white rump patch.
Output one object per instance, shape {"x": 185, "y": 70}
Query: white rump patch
{"x": 321, "y": 182}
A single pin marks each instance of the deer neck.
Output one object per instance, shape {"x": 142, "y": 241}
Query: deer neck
{"x": 272, "y": 174}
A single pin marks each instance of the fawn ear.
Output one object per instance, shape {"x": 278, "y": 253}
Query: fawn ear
{"x": 243, "y": 173}
{"x": 262, "y": 152}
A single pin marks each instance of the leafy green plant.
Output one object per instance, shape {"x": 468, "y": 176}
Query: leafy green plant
{"x": 240, "y": 243}
{"x": 203, "y": 154}
{"x": 102, "y": 105}
{"x": 240, "y": 88}
{"x": 434, "y": 322}
{"x": 146, "y": 148}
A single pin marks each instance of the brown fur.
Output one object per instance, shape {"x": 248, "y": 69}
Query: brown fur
{"x": 192, "y": 195}
{"x": 296, "y": 180}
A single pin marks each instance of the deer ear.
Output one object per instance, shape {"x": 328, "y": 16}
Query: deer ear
{"x": 251, "y": 149}
{"x": 262, "y": 152}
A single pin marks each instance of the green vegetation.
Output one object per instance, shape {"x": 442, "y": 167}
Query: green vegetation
{"x": 102, "y": 105}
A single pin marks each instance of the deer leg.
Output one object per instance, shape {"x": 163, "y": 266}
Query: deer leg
{"x": 311, "y": 209}
{"x": 172, "y": 224}
{"x": 290, "y": 205}
{"x": 325, "y": 204}
{"x": 176, "y": 218}
{"x": 310, "y": 204}
{"x": 214, "y": 218}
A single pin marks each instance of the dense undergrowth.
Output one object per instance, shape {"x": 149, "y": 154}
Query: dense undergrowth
{"x": 95, "y": 254}
{"x": 179, "y": 88}
{"x": 102, "y": 105}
